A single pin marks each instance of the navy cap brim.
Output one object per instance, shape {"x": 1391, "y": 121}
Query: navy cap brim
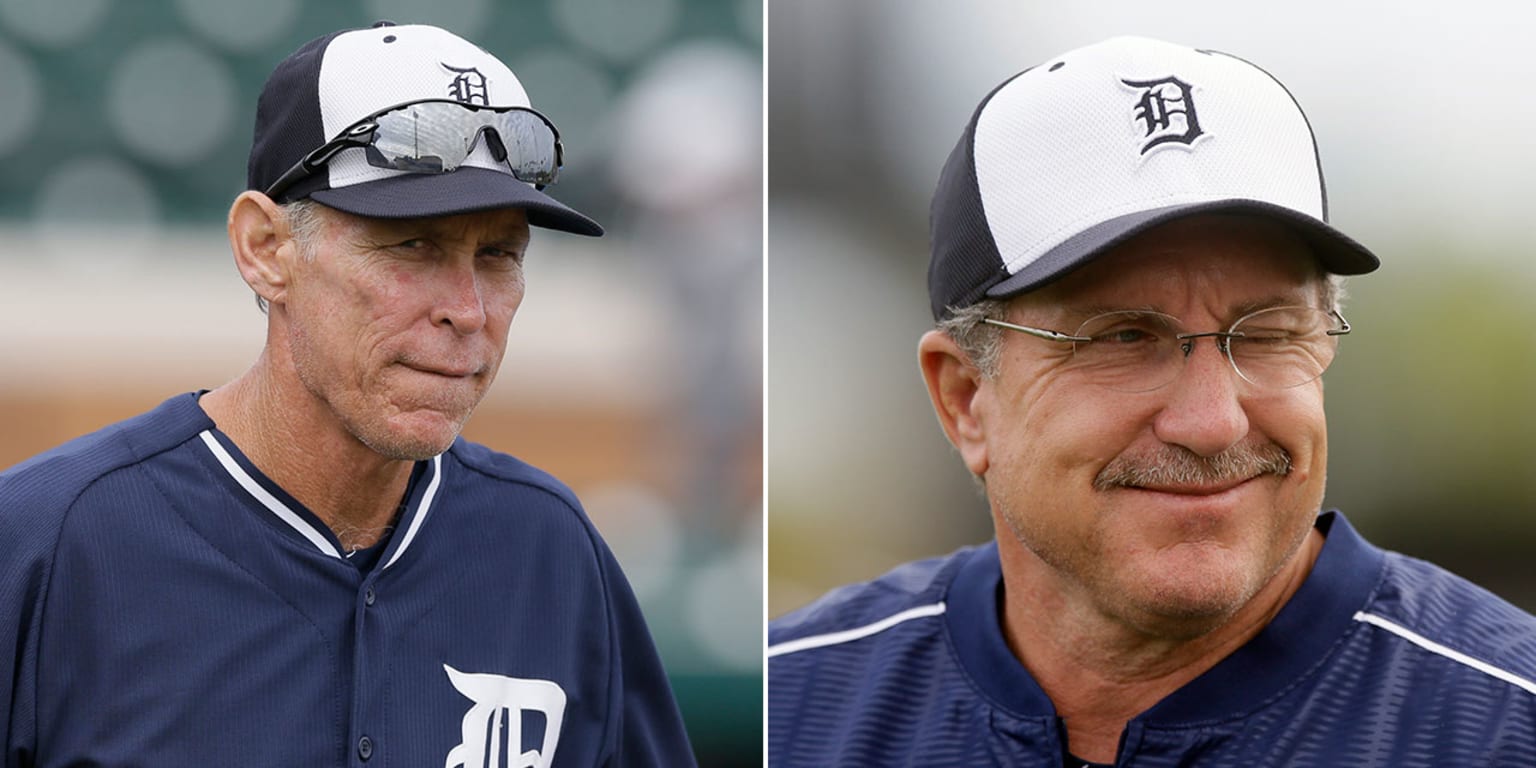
{"x": 1335, "y": 251}
{"x": 466, "y": 190}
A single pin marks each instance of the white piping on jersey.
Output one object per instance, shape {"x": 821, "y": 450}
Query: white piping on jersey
{"x": 1436, "y": 648}
{"x": 849, "y": 635}
{"x": 298, "y": 523}
{"x": 421, "y": 510}
{"x": 267, "y": 500}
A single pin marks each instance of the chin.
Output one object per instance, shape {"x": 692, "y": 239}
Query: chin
{"x": 1194, "y": 591}
{"x": 415, "y": 436}
{"x": 409, "y": 450}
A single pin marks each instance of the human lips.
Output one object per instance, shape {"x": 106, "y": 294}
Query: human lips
{"x": 1198, "y": 504}
{"x": 1194, "y": 489}
{"x": 445, "y": 370}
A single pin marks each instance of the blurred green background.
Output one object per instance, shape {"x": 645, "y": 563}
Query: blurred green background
{"x": 634, "y": 370}
{"x": 1422, "y": 113}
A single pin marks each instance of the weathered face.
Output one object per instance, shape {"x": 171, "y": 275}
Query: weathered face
{"x": 1158, "y": 549}
{"x": 398, "y": 326}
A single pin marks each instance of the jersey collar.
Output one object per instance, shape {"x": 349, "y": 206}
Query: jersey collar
{"x": 294, "y": 517}
{"x": 1299, "y": 638}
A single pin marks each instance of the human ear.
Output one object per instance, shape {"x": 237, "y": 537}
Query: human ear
{"x": 260, "y": 239}
{"x": 955, "y": 387}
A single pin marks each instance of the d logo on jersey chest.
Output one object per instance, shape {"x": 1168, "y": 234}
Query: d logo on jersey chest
{"x": 501, "y": 726}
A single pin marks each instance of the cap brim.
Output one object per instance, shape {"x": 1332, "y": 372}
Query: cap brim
{"x": 466, "y": 190}
{"x": 1335, "y": 251}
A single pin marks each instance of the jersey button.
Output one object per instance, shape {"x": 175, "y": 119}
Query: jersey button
{"x": 365, "y": 748}
{"x": 369, "y": 597}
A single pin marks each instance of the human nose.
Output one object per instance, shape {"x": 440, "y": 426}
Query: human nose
{"x": 459, "y": 303}
{"x": 1204, "y": 410}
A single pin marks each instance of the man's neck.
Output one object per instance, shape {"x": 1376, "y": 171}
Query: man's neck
{"x": 297, "y": 442}
{"x": 1100, "y": 673}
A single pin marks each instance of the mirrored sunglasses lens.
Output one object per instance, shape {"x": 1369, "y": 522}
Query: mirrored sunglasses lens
{"x": 530, "y": 145}
{"x": 424, "y": 138}
{"x": 436, "y": 137}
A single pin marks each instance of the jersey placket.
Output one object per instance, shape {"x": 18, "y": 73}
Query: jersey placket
{"x": 363, "y": 666}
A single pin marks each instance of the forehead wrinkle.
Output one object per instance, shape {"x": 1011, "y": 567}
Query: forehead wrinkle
{"x": 1269, "y": 302}
{"x": 489, "y": 226}
{"x": 1188, "y": 262}
{"x": 1070, "y": 312}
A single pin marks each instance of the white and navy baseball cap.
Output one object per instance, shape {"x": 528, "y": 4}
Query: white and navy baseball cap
{"x": 336, "y": 80}
{"x": 1074, "y": 156}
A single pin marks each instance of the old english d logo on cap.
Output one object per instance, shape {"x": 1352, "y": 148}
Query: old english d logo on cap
{"x": 337, "y": 80}
{"x": 469, "y": 86}
{"x": 1166, "y": 110}
{"x": 1067, "y": 159}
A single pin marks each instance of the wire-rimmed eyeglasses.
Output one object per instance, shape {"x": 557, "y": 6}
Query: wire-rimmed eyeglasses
{"x": 1139, "y": 351}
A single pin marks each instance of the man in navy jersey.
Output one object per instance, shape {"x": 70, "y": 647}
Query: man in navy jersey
{"x": 1137, "y": 293}
{"x": 307, "y": 566}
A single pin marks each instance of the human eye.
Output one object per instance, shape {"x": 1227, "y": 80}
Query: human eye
{"x": 505, "y": 256}
{"x": 1281, "y": 325}
{"x": 1126, "y": 329}
{"x": 1283, "y": 347}
{"x": 410, "y": 246}
{"x": 1125, "y": 336}
{"x": 1126, "y": 350}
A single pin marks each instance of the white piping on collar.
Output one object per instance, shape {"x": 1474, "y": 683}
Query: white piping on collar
{"x": 421, "y": 510}
{"x": 267, "y": 500}
{"x": 299, "y": 524}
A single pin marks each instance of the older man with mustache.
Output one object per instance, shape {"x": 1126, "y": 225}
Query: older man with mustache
{"x": 1137, "y": 293}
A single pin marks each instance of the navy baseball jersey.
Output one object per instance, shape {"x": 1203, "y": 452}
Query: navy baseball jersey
{"x": 162, "y": 603}
{"x": 1377, "y": 660}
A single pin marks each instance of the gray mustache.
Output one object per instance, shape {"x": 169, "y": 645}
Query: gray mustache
{"x": 1177, "y": 465}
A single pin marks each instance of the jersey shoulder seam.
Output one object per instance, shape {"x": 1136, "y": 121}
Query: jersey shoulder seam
{"x": 826, "y": 639}
{"x": 540, "y": 481}
{"x": 1491, "y": 670}
{"x": 127, "y": 461}
{"x": 130, "y": 459}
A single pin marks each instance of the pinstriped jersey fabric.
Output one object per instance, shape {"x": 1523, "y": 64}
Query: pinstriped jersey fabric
{"x": 1378, "y": 660}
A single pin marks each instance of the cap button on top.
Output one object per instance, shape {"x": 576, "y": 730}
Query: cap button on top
{"x": 383, "y": 23}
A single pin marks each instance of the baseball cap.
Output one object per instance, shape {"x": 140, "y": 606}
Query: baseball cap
{"x": 335, "y": 80}
{"x": 1071, "y": 157}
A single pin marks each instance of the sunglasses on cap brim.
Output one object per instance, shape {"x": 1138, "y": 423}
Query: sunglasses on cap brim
{"x": 436, "y": 136}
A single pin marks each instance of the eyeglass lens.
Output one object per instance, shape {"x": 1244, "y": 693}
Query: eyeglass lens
{"x": 1135, "y": 351}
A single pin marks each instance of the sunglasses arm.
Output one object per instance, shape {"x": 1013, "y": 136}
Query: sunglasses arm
{"x": 360, "y": 135}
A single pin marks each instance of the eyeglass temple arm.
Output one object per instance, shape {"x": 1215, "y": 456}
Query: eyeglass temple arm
{"x": 1050, "y": 335}
{"x": 1040, "y": 333}
{"x": 1344, "y": 328}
